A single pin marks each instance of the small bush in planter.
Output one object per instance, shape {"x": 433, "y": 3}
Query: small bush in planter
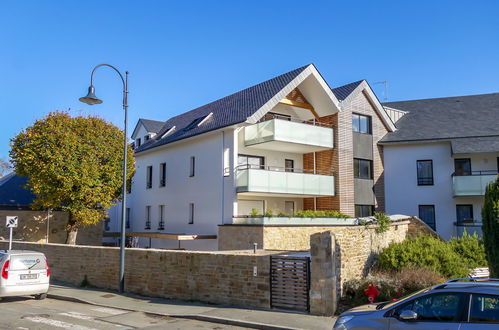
{"x": 269, "y": 213}
{"x": 282, "y": 214}
{"x": 254, "y": 213}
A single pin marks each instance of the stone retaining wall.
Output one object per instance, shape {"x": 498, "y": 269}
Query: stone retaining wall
{"x": 212, "y": 277}
{"x": 357, "y": 246}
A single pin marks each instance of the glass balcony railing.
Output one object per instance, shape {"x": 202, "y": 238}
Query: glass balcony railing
{"x": 270, "y": 134}
{"x": 275, "y": 180}
{"x": 473, "y": 184}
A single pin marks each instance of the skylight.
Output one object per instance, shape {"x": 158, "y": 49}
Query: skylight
{"x": 198, "y": 122}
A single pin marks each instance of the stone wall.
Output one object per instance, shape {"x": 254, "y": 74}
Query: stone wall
{"x": 33, "y": 228}
{"x": 358, "y": 246}
{"x": 323, "y": 273}
{"x": 212, "y": 277}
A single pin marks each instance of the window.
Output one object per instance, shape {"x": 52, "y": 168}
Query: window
{"x": 128, "y": 217}
{"x": 361, "y": 123}
{"x": 464, "y": 213}
{"x": 251, "y": 161}
{"x": 162, "y": 174}
{"x": 191, "y": 213}
{"x": 226, "y": 162}
{"x": 273, "y": 115}
{"x": 289, "y": 207}
{"x": 147, "y": 138}
{"x": 149, "y": 177}
{"x": 137, "y": 142}
{"x": 289, "y": 165}
{"x": 462, "y": 166}
{"x": 192, "y": 170}
{"x": 148, "y": 217}
{"x": 362, "y": 168}
{"x": 427, "y": 214}
{"x": 425, "y": 172}
{"x": 484, "y": 308}
{"x": 129, "y": 187}
{"x": 363, "y": 211}
{"x": 437, "y": 307}
{"x": 161, "y": 223}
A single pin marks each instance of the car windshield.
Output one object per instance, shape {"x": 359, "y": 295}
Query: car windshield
{"x": 391, "y": 303}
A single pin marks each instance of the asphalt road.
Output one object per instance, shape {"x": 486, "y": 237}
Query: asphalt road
{"x": 27, "y": 313}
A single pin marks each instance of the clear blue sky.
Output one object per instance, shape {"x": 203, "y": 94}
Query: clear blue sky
{"x": 184, "y": 54}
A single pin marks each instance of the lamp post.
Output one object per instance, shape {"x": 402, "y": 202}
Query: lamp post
{"x": 91, "y": 99}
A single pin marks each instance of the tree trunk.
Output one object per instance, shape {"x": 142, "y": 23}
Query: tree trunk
{"x": 72, "y": 231}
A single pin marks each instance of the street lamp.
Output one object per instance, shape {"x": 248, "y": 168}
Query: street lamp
{"x": 91, "y": 99}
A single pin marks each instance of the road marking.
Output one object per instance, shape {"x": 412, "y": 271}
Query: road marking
{"x": 85, "y": 317}
{"x": 56, "y": 323}
{"x": 110, "y": 311}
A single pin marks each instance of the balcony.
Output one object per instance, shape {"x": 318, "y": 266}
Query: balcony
{"x": 287, "y": 134}
{"x": 272, "y": 180}
{"x": 473, "y": 184}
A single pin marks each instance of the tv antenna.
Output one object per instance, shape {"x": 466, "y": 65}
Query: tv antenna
{"x": 385, "y": 89}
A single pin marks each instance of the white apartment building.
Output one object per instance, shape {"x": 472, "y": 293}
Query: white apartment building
{"x": 439, "y": 161}
{"x": 262, "y": 148}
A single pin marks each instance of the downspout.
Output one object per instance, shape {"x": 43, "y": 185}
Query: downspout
{"x": 315, "y": 172}
{"x": 223, "y": 176}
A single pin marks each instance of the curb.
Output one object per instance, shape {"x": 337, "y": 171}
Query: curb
{"x": 205, "y": 318}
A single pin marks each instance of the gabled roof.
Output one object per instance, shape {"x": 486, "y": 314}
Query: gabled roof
{"x": 446, "y": 118}
{"x": 230, "y": 110}
{"x": 13, "y": 195}
{"x": 151, "y": 126}
{"x": 344, "y": 91}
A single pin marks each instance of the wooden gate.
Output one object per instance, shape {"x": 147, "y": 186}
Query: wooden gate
{"x": 290, "y": 282}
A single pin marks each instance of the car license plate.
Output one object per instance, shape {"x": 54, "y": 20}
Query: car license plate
{"x": 29, "y": 277}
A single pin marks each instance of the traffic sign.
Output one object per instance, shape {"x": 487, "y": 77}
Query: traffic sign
{"x": 11, "y": 221}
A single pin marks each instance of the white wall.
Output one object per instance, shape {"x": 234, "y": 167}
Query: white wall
{"x": 205, "y": 190}
{"x": 403, "y": 195}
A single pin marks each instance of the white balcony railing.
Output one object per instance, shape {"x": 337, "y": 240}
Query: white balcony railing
{"x": 271, "y": 134}
{"x": 279, "y": 181}
{"x": 474, "y": 184}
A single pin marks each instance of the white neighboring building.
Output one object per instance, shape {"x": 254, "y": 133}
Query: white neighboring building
{"x": 439, "y": 161}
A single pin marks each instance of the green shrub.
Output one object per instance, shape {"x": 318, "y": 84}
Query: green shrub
{"x": 471, "y": 249}
{"x": 282, "y": 214}
{"x": 490, "y": 226}
{"x": 423, "y": 251}
{"x": 269, "y": 213}
{"x": 320, "y": 214}
{"x": 254, "y": 213}
{"x": 383, "y": 222}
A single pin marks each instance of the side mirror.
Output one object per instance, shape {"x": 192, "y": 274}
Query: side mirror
{"x": 408, "y": 315}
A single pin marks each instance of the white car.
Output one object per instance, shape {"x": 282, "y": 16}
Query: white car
{"x": 24, "y": 273}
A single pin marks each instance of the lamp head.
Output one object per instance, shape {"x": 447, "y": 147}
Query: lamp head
{"x": 90, "y": 98}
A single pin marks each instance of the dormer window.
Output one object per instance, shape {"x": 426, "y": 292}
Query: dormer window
{"x": 147, "y": 138}
{"x": 138, "y": 142}
{"x": 198, "y": 121}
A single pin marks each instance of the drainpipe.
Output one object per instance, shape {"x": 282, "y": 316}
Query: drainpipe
{"x": 49, "y": 212}
{"x": 315, "y": 172}
{"x": 223, "y": 175}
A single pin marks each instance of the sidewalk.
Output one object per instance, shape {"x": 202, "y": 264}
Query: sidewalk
{"x": 258, "y": 319}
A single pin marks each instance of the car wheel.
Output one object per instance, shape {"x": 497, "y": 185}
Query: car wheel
{"x": 41, "y": 296}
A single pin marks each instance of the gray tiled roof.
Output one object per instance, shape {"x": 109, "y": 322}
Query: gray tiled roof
{"x": 475, "y": 145}
{"x": 153, "y": 126}
{"x": 227, "y": 111}
{"x": 13, "y": 195}
{"x": 446, "y": 118}
{"x": 342, "y": 92}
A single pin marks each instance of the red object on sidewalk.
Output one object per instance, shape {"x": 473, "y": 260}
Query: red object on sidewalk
{"x": 372, "y": 293}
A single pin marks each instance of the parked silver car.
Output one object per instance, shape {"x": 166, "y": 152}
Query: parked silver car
{"x": 24, "y": 273}
{"x": 462, "y": 304}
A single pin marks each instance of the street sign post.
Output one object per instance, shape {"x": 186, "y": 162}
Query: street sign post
{"x": 11, "y": 222}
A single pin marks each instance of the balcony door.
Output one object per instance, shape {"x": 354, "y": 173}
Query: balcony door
{"x": 248, "y": 161}
{"x": 462, "y": 166}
